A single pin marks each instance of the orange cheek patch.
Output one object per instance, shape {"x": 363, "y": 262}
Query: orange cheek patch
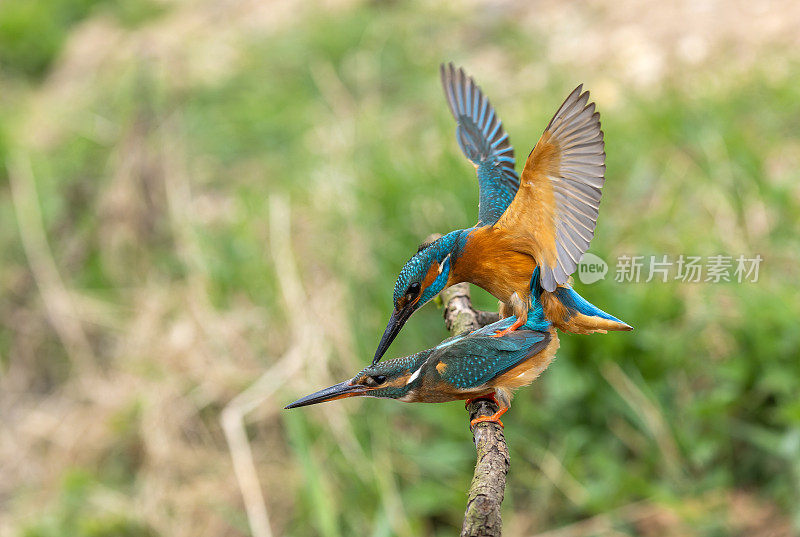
{"x": 432, "y": 274}
{"x": 396, "y": 383}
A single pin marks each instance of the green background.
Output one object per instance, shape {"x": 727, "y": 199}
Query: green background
{"x": 201, "y": 197}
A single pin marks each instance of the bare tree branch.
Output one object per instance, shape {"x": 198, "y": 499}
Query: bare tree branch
{"x": 485, "y": 497}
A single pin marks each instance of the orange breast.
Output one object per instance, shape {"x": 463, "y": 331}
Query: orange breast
{"x": 491, "y": 261}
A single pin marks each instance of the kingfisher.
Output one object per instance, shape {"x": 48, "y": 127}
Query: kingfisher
{"x": 469, "y": 366}
{"x": 545, "y": 220}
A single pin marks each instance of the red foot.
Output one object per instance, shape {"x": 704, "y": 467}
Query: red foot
{"x": 519, "y": 322}
{"x": 494, "y": 417}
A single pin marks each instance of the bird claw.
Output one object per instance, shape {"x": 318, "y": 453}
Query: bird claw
{"x": 503, "y": 332}
{"x": 519, "y": 322}
{"x": 495, "y": 418}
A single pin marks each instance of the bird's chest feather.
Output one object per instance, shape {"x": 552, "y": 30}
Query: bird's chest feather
{"x": 435, "y": 390}
{"x": 490, "y": 260}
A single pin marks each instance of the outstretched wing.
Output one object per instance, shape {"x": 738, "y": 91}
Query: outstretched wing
{"x": 484, "y": 142}
{"x": 475, "y": 360}
{"x": 555, "y": 210}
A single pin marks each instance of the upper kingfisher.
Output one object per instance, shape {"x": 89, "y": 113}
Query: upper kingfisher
{"x": 469, "y": 366}
{"x": 547, "y": 219}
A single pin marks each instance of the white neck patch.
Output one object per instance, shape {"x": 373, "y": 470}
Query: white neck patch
{"x": 413, "y": 377}
{"x": 441, "y": 266}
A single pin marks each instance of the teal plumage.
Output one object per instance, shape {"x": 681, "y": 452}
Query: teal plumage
{"x": 475, "y": 360}
{"x": 521, "y": 255}
{"x": 475, "y": 364}
{"x": 573, "y": 303}
{"x": 483, "y": 140}
{"x": 546, "y": 221}
{"x": 441, "y": 251}
{"x": 458, "y": 368}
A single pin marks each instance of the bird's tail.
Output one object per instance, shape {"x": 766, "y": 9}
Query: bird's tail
{"x": 570, "y": 312}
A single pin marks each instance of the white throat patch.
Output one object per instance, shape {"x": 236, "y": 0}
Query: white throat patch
{"x": 441, "y": 265}
{"x": 413, "y": 377}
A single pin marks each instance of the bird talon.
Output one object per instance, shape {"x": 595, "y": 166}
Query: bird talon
{"x": 502, "y": 333}
{"x": 519, "y": 322}
{"x": 482, "y": 419}
{"x": 495, "y": 418}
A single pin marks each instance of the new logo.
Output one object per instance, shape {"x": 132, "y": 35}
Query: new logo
{"x": 591, "y": 268}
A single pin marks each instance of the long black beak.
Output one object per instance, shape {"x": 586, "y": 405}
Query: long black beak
{"x": 337, "y": 391}
{"x": 396, "y": 323}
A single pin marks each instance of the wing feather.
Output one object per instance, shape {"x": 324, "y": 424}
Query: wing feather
{"x": 479, "y": 358}
{"x": 483, "y": 140}
{"x": 554, "y": 212}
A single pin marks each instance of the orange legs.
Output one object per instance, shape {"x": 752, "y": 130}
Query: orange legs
{"x": 494, "y": 417}
{"x": 520, "y": 309}
{"x": 519, "y": 322}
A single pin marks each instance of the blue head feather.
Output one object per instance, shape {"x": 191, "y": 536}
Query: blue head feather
{"x": 415, "y": 270}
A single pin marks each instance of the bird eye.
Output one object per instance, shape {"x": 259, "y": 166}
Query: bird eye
{"x": 375, "y": 380}
{"x": 413, "y": 289}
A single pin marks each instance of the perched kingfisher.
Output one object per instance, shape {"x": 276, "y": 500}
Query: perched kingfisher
{"x": 547, "y": 220}
{"x": 469, "y": 366}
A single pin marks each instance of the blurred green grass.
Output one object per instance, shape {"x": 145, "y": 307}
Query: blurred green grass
{"x": 33, "y": 33}
{"x": 155, "y": 192}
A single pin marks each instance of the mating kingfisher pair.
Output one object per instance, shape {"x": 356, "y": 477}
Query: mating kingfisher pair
{"x": 530, "y": 235}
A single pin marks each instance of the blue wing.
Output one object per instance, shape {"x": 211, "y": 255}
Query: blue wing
{"x": 474, "y": 360}
{"x": 484, "y": 142}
